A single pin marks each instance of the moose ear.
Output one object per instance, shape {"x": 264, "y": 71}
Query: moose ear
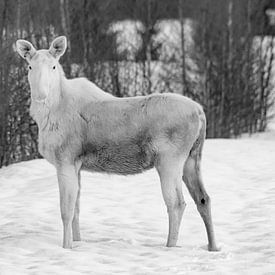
{"x": 58, "y": 47}
{"x": 25, "y": 49}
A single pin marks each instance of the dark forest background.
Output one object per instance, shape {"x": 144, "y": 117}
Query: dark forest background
{"x": 218, "y": 52}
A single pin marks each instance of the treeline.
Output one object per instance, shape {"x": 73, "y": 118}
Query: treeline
{"x": 214, "y": 51}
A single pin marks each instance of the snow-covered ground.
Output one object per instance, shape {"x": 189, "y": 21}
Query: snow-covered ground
{"x": 124, "y": 221}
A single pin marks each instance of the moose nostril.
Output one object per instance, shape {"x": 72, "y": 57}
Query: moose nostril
{"x": 203, "y": 201}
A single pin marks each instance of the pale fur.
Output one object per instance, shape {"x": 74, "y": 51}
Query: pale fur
{"x": 82, "y": 127}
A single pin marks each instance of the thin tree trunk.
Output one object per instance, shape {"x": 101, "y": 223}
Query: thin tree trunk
{"x": 266, "y": 79}
{"x": 18, "y": 19}
{"x": 223, "y": 87}
{"x": 85, "y": 37}
{"x": 148, "y": 47}
{"x": 183, "y": 52}
{"x": 3, "y": 84}
{"x": 229, "y": 65}
{"x": 64, "y": 13}
{"x": 262, "y": 90}
{"x": 248, "y": 62}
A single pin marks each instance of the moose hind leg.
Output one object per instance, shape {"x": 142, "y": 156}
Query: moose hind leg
{"x": 193, "y": 181}
{"x": 68, "y": 188}
{"x": 75, "y": 223}
{"x": 171, "y": 187}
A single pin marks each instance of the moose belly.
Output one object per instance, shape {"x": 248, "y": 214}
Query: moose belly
{"x": 119, "y": 158}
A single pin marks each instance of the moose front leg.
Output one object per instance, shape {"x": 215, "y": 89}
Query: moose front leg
{"x": 75, "y": 223}
{"x": 68, "y": 190}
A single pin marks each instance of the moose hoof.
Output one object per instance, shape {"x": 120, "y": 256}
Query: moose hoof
{"x": 213, "y": 248}
{"x": 77, "y": 239}
{"x": 172, "y": 243}
{"x": 67, "y": 245}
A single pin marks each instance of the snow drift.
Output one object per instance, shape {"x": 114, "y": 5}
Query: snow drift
{"x": 124, "y": 223}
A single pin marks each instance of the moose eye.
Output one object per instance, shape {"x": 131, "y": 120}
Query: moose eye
{"x": 30, "y": 67}
{"x": 53, "y": 67}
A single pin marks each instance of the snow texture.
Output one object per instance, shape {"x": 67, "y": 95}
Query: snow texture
{"x": 124, "y": 221}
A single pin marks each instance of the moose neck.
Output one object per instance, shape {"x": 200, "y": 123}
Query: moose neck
{"x": 41, "y": 110}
